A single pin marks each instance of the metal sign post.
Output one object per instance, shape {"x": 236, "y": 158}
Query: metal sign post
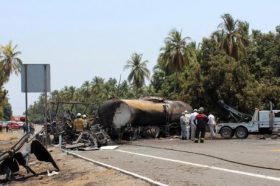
{"x": 46, "y": 104}
{"x": 35, "y": 78}
{"x": 26, "y": 101}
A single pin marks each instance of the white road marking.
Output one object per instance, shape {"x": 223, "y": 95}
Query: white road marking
{"x": 205, "y": 166}
{"x": 118, "y": 169}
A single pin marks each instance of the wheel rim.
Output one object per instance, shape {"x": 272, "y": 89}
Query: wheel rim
{"x": 226, "y": 132}
{"x": 241, "y": 133}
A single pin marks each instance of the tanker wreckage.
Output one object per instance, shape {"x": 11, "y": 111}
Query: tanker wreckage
{"x": 118, "y": 119}
{"x": 118, "y": 115}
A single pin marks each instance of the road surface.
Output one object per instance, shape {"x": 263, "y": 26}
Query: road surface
{"x": 181, "y": 168}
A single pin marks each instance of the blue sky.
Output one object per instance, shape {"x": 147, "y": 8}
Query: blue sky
{"x": 83, "y": 39}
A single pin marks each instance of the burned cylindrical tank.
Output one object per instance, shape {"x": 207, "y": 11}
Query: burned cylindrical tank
{"x": 117, "y": 113}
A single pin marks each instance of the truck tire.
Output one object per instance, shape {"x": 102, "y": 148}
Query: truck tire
{"x": 241, "y": 133}
{"x": 226, "y": 132}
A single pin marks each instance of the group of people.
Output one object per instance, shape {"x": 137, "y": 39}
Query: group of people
{"x": 80, "y": 123}
{"x": 193, "y": 125}
{"x": 28, "y": 128}
{"x": 6, "y": 128}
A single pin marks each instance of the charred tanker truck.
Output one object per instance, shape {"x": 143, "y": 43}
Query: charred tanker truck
{"x": 117, "y": 114}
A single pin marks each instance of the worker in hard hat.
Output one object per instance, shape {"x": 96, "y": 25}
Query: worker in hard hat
{"x": 185, "y": 125}
{"x": 201, "y": 121}
{"x": 84, "y": 117}
{"x": 78, "y": 124}
{"x": 193, "y": 126}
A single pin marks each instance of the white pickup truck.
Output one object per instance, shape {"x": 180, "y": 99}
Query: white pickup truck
{"x": 263, "y": 121}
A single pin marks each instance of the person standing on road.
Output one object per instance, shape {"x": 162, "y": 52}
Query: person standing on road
{"x": 85, "y": 122}
{"x": 183, "y": 125}
{"x": 24, "y": 127}
{"x": 7, "y": 128}
{"x": 78, "y": 124}
{"x": 212, "y": 124}
{"x": 193, "y": 126}
{"x": 187, "y": 120}
{"x": 271, "y": 120}
{"x": 201, "y": 121}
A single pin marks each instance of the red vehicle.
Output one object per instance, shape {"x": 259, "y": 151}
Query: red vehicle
{"x": 18, "y": 118}
{"x": 14, "y": 125}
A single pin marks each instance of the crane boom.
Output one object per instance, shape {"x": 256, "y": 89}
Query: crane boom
{"x": 238, "y": 116}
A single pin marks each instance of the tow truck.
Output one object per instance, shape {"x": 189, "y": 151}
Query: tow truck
{"x": 262, "y": 122}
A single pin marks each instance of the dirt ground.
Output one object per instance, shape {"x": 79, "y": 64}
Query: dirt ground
{"x": 74, "y": 171}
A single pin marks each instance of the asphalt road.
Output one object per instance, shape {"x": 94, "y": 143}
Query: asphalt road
{"x": 181, "y": 168}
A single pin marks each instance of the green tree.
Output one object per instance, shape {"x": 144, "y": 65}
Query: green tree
{"x": 263, "y": 59}
{"x": 138, "y": 71}
{"x": 263, "y": 56}
{"x": 158, "y": 79}
{"x": 235, "y": 35}
{"x": 68, "y": 93}
{"x": 9, "y": 63}
{"x": 163, "y": 84}
{"x": 175, "y": 54}
{"x": 10, "y": 60}
{"x": 36, "y": 111}
{"x": 7, "y": 111}
{"x": 172, "y": 56}
{"x": 85, "y": 91}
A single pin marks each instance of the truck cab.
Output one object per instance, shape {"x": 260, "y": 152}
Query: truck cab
{"x": 263, "y": 121}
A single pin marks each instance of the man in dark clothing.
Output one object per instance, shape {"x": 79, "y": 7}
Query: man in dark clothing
{"x": 25, "y": 128}
{"x": 201, "y": 121}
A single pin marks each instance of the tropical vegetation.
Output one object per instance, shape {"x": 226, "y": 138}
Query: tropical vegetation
{"x": 235, "y": 63}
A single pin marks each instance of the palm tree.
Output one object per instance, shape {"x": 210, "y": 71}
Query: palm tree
{"x": 218, "y": 36}
{"x": 139, "y": 70}
{"x": 10, "y": 62}
{"x": 85, "y": 90}
{"x": 175, "y": 54}
{"x": 235, "y": 36}
{"x": 172, "y": 57}
{"x": 98, "y": 89}
{"x": 243, "y": 41}
{"x": 56, "y": 95}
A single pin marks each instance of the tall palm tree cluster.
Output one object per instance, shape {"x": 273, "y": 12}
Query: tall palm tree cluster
{"x": 232, "y": 37}
{"x": 231, "y": 64}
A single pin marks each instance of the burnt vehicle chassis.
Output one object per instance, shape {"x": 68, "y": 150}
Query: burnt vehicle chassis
{"x": 19, "y": 155}
{"x": 93, "y": 136}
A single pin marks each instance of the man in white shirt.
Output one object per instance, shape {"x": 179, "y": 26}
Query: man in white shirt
{"x": 193, "y": 126}
{"x": 187, "y": 120}
{"x": 212, "y": 124}
{"x": 183, "y": 126}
